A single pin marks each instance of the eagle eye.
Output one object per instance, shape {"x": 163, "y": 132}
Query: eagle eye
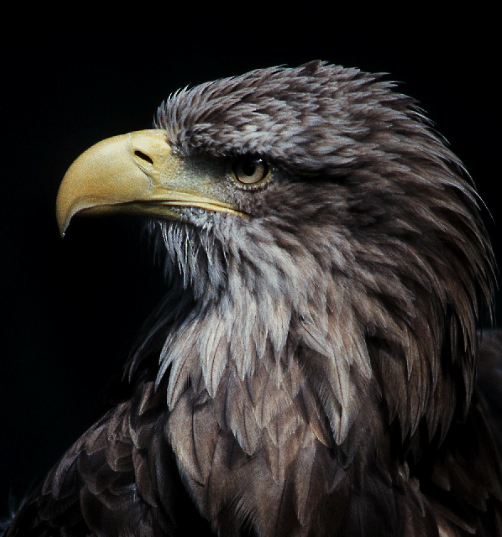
{"x": 250, "y": 170}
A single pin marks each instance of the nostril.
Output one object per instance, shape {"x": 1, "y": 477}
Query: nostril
{"x": 143, "y": 156}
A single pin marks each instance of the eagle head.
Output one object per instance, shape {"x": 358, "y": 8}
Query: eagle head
{"x": 327, "y": 268}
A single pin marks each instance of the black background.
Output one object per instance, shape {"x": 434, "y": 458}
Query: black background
{"x": 70, "y": 309}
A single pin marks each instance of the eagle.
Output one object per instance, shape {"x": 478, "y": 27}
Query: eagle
{"x": 316, "y": 366}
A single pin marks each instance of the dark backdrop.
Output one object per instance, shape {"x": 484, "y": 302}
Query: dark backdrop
{"x": 70, "y": 309}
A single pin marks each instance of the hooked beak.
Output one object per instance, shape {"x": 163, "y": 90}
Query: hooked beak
{"x": 135, "y": 173}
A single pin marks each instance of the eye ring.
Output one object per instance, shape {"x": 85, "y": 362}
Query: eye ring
{"x": 250, "y": 171}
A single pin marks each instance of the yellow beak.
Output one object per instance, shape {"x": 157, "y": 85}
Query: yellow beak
{"x": 135, "y": 173}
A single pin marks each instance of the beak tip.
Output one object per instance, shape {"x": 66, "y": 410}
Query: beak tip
{"x": 62, "y": 224}
{"x": 63, "y": 218}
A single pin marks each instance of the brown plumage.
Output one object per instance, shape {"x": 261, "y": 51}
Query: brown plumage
{"x": 312, "y": 369}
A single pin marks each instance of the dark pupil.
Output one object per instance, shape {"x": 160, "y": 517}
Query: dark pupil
{"x": 248, "y": 167}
